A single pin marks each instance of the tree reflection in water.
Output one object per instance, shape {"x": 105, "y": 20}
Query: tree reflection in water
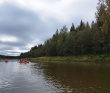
{"x": 77, "y": 77}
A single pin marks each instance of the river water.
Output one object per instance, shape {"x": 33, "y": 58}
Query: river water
{"x": 54, "y": 77}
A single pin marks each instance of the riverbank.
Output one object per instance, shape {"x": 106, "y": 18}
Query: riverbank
{"x": 85, "y": 58}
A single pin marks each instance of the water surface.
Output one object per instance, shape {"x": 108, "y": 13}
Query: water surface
{"x": 54, "y": 77}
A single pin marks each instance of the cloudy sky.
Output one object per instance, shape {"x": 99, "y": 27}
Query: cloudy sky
{"x": 26, "y": 23}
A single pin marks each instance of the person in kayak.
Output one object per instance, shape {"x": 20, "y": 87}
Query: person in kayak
{"x": 25, "y": 60}
{"x": 21, "y": 60}
{"x": 6, "y": 60}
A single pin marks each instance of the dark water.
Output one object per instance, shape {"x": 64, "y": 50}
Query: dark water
{"x": 54, "y": 77}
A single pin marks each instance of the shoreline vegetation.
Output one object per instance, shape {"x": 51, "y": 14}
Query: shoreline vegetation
{"x": 105, "y": 58}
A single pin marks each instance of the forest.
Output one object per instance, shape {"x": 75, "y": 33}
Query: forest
{"x": 8, "y": 57}
{"x": 84, "y": 39}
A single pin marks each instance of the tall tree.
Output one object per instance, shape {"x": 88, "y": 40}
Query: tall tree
{"x": 81, "y": 26}
{"x": 108, "y": 13}
{"x": 103, "y": 23}
{"x": 72, "y": 28}
{"x": 61, "y": 42}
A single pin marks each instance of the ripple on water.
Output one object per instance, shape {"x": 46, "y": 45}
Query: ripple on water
{"x": 5, "y": 83}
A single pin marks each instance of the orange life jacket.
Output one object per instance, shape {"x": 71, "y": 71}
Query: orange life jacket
{"x": 25, "y": 60}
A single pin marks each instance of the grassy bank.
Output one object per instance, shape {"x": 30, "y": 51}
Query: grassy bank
{"x": 85, "y": 58}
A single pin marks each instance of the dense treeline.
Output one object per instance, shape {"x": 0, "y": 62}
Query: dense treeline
{"x": 84, "y": 39}
{"x": 8, "y": 57}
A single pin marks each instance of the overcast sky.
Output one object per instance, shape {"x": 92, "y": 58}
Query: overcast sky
{"x": 26, "y": 23}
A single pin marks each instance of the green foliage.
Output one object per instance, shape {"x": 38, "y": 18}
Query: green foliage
{"x": 103, "y": 22}
{"x": 85, "y": 40}
{"x": 72, "y": 28}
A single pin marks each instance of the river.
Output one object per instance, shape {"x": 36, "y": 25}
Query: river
{"x": 54, "y": 77}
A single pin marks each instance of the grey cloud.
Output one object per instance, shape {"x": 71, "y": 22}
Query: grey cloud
{"x": 50, "y": 1}
{"x": 24, "y": 25}
{"x": 16, "y": 21}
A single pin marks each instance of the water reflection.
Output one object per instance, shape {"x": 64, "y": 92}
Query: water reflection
{"x": 77, "y": 77}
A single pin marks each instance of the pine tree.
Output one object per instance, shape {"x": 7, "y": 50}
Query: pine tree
{"x": 72, "y": 28}
{"x": 82, "y": 26}
{"x": 103, "y": 22}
